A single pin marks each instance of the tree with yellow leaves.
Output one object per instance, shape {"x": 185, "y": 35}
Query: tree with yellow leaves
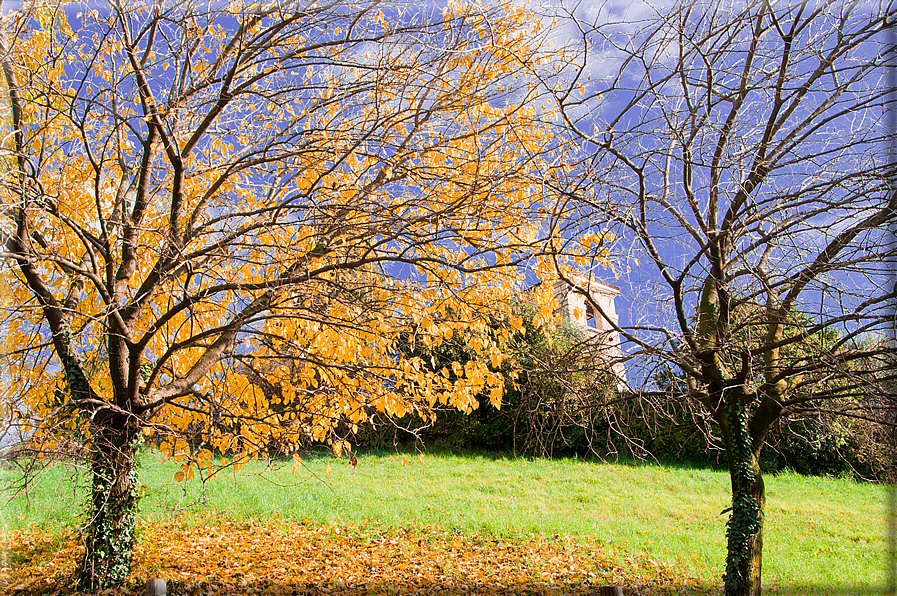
{"x": 220, "y": 222}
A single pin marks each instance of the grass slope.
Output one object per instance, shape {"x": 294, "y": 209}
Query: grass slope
{"x": 822, "y": 536}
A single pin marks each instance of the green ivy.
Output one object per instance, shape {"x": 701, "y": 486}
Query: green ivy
{"x": 746, "y": 519}
{"x": 110, "y": 533}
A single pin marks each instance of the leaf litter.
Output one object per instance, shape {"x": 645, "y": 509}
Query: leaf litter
{"x": 280, "y": 556}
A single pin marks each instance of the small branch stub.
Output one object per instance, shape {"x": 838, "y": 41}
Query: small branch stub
{"x": 157, "y": 587}
{"x": 608, "y": 591}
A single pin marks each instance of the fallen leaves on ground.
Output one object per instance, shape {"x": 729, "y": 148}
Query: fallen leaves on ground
{"x": 287, "y": 557}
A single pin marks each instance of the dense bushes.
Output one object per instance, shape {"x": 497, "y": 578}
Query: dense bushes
{"x": 563, "y": 401}
{"x": 557, "y": 385}
{"x": 822, "y": 444}
{"x": 669, "y": 430}
{"x": 814, "y": 443}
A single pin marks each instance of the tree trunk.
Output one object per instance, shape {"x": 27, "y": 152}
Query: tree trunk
{"x": 109, "y": 532}
{"x": 744, "y": 532}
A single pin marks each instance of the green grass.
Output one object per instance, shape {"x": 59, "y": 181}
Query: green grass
{"x": 820, "y": 532}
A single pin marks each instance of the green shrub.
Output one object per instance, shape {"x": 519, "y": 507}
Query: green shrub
{"x": 564, "y": 402}
{"x": 557, "y": 388}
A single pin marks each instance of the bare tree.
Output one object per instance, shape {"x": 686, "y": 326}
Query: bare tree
{"x": 739, "y": 152}
{"x": 196, "y": 197}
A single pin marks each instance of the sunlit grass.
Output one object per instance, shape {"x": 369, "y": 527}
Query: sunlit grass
{"x": 820, "y": 532}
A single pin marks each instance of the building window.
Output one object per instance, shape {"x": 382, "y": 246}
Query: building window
{"x": 591, "y": 317}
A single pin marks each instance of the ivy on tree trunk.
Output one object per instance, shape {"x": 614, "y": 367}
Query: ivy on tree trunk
{"x": 744, "y": 529}
{"x": 109, "y": 532}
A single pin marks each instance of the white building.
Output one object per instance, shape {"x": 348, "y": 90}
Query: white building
{"x": 579, "y": 313}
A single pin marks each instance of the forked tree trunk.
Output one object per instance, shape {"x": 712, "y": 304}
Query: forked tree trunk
{"x": 109, "y": 532}
{"x": 744, "y": 532}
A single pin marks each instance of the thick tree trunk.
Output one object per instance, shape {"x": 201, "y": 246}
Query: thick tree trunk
{"x": 109, "y": 532}
{"x": 744, "y": 532}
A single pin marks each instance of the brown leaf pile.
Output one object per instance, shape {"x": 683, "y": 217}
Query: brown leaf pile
{"x": 285, "y": 557}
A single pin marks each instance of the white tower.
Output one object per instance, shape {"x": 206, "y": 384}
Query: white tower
{"x": 579, "y": 313}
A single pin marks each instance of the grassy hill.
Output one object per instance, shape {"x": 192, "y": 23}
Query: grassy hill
{"x": 823, "y": 536}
